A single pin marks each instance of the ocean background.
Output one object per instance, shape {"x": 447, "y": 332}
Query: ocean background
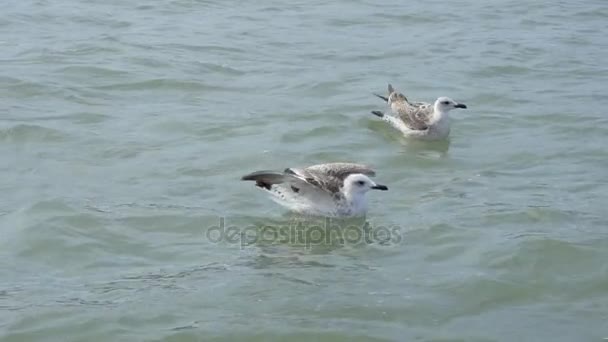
{"x": 125, "y": 127}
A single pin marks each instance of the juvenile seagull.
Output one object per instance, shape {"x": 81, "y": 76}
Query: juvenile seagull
{"x": 334, "y": 189}
{"x": 418, "y": 119}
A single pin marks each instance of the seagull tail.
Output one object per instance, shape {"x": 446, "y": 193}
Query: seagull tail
{"x": 382, "y": 97}
{"x": 265, "y": 179}
{"x": 378, "y": 113}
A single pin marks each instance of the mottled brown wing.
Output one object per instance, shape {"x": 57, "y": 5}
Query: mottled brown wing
{"x": 330, "y": 177}
{"x": 414, "y": 117}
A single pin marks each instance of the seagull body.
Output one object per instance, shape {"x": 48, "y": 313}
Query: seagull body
{"x": 418, "y": 119}
{"x": 333, "y": 189}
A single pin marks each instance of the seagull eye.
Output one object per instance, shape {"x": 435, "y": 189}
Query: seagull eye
{"x": 361, "y": 183}
{"x": 446, "y": 102}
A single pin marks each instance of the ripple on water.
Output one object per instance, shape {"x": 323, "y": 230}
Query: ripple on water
{"x": 502, "y": 71}
{"x": 78, "y": 118}
{"x": 22, "y": 89}
{"x": 163, "y": 84}
{"x": 91, "y": 71}
{"x": 206, "y": 48}
{"x": 221, "y": 69}
{"x": 54, "y": 233}
{"x": 86, "y": 118}
{"x": 124, "y": 151}
{"x": 544, "y": 265}
{"x": 24, "y": 133}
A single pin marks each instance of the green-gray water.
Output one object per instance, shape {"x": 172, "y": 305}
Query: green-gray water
{"x": 125, "y": 126}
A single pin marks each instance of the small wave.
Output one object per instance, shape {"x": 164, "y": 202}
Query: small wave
{"x": 31, "y": 133}
{"x": 90, "y": 71}
{"x": 161, "y": 84}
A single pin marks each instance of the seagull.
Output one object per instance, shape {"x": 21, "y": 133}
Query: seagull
{"x": 418, "y": 119}
{"x": 332, "y": 189}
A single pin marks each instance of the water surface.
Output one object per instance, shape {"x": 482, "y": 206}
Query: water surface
{"x": 125, "y": 127}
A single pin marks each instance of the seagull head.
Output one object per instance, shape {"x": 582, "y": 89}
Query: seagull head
{"x": 445, "y": 104}
{"x": 358, "y": 184}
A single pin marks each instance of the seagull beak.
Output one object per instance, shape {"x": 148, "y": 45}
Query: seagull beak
{"x": 380, "y": 187}
{"x": 382, "y": 97}
{"x": 460, "y": 105}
